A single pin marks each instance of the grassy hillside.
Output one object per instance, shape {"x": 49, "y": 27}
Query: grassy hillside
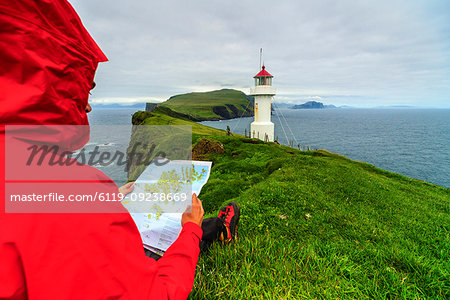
{"x": 318, "y": 225}
{"x": 161, "y": 116}
{"x": 215, "y": 105}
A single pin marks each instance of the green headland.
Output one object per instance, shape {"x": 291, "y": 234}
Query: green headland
{"x": 214, "y": 105}
{"x": 314, "y": 224}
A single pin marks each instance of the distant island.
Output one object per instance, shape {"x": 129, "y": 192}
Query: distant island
{"x": 312, "y": 105}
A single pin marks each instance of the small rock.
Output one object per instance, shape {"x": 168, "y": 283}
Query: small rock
{"x": 206, "y": 146}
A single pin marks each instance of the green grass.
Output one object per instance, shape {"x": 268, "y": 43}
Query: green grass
{"x": 200, "y": 105}
{"x": 198, "y": 129}
{"x": 370, "y": 234}
{"x": 316, "y": 225}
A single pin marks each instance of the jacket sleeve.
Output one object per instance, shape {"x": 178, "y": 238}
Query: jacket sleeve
{"x": 176, "y": 269}
{"x": 10, "y": 273}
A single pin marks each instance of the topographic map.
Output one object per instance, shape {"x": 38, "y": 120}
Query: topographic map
{"x": 161, "y": 194}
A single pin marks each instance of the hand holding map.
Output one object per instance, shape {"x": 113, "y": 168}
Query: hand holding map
{"x": 196, "y": 213}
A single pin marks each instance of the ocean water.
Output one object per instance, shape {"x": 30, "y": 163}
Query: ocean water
{"x": 110, "y": 132}
{"x": 412, "y": 142}
{"x": 112, "y": 116}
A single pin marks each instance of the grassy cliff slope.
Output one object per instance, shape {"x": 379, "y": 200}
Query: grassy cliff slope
{"x": 318, "y": 225}
{"x": 214, "y": 105}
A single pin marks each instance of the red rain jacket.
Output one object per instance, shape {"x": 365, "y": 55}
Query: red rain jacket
{"x": 47, "y": 65}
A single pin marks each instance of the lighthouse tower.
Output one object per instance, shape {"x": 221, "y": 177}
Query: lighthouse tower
{"x": 263, "y": 92}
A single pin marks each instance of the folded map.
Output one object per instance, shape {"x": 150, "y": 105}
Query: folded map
{"x": 160, "y": 195}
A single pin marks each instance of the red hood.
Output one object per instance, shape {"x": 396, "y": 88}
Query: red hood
{"x": 48, "y": 63}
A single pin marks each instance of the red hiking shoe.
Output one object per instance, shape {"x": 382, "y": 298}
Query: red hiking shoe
{"x": 230, "y": 217}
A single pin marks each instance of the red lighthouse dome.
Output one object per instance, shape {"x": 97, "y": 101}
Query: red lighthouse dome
{"x": 263, "y": 77}
{"x": 263, "y": 73}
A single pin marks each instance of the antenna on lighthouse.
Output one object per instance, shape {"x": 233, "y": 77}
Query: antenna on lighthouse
{"x": 260, "y": 58}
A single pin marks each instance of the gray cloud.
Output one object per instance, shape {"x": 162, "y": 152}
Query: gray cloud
{"x": 350, "y": 52}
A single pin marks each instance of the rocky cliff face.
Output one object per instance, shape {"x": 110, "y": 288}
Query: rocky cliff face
{"x": 229, "y": 111}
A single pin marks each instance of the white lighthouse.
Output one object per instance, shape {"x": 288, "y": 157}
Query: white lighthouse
{"x": 263, "y": 92}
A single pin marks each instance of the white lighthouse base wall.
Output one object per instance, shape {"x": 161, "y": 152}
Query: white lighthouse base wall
{"x": 260, "y": 129}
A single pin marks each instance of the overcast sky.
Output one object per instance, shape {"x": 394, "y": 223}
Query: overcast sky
{"x": 358, "y": 53}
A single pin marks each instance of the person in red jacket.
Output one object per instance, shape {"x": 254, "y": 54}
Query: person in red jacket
{"x": 48, "y": 62}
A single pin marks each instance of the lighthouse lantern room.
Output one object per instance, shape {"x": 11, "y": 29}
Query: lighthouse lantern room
{"x": 263, "y": 92}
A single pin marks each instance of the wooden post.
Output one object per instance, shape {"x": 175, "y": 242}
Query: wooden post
{"x": 228, "y": 131}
